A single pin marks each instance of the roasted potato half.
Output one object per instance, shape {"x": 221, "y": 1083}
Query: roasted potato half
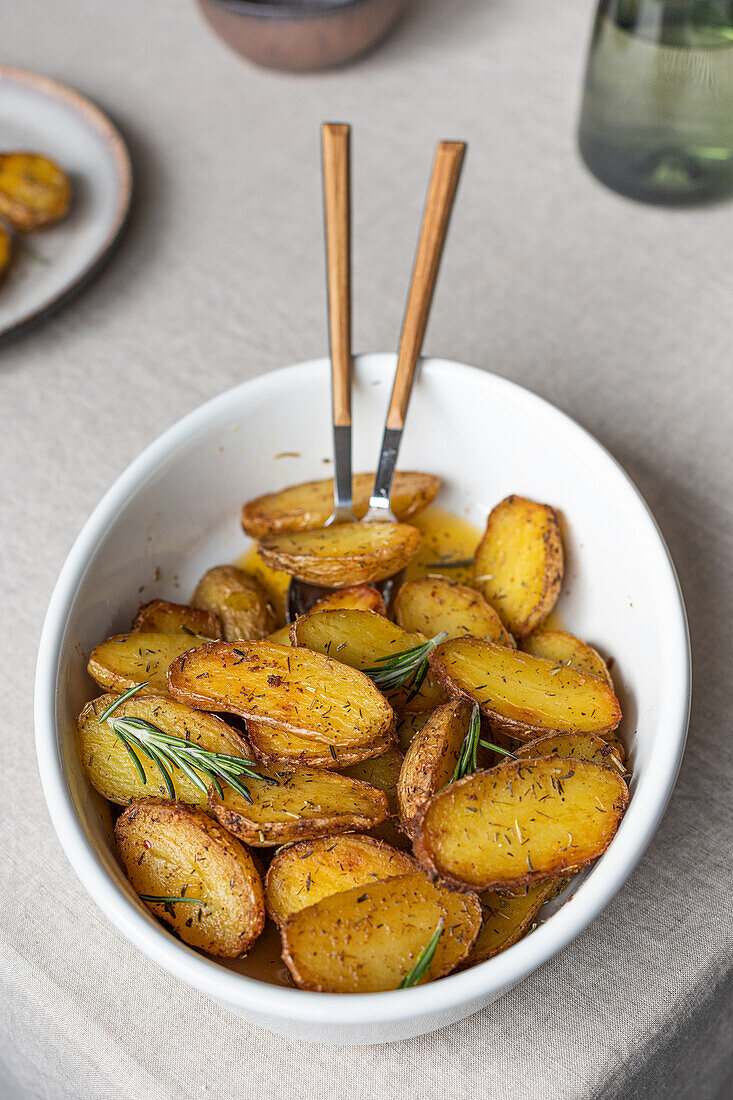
{"x": 34, "y": 191}
{"x": 565, "y": 649}
{"x": 520, "y": 822}
{"x": 523, "y": 695}
{"x": 174, "y": 854}
{"x": 364, "y": 640}
{"x": 434, "y": 604}
{"x": 307, "y": 506}
{"x": 519, "y": 563}
{"x": 369, "y": 938}
{"x": 238, "y": 600}
{"x": 6, "y": 249}
{"x": 506, "y": 919}
{"x": 383, "y": 772}
{"x": 305, "y": 873}
{"x": 293, "y": 689}
{"x": 297, "y": 805}
{"x": 584, "y": 746}
{"x": 163, "y": 617}
{"x": 343, "y": 555}
{"x": 279, "y": 748}
{"x": 280, "y": 636}
{"x": 431, "y": 759}
{"x": 360, "y": 597}
{"x": 139, "y": 658}
{"x": 109, "y": 767}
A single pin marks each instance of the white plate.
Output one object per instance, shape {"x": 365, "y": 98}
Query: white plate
{"x": 40, "y": 115}
{"x": 175, "y": 512}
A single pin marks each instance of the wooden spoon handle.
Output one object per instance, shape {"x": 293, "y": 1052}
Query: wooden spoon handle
{"x": 438, "y": 206}
{"x": 337, "y": 207}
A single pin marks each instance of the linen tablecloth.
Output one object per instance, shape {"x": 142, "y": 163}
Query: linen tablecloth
{"x": 621, "y": 314}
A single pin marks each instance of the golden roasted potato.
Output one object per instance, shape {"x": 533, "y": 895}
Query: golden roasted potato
{"x": 360, "y": 597}
{"x": 172, "y": 851}
{"x": 294, "y": 689}
{"x": 433, "y": 604}
{"x": 6, "y": 248}
{"x": 407, "y": 728}
{"x": 297, "y": 806}
{"x": 584, "y": 746}
{"x": 281, "y": 636}
{"x": 519, "y": 563}
{"x": 238, "y": 600}
{"x": 108, "y": 765}
{"x": 523, "y": 695}
{"x": 520, "y": 822}
{"x": 383, "y": 772}
{"x": 344, "y": 555}
{"x": 307, "y": 506}
{"x": 305, "y": 873}
{"x": 363, "y": 639}
{"x": 34, "y": 191}
{"x": 140, "y": 658}
{"x": 279, "y": 748}
{"x": 431, "y": 759}
{"x": 565, "y": 649}
{"x": 368, "y": 939}
{"x": 163, "y": 617}
{"x": 506, "y": 919}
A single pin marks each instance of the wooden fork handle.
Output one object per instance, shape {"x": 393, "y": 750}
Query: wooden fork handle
{"x": 337, "y": 208}
{"x": 438, "y": 206}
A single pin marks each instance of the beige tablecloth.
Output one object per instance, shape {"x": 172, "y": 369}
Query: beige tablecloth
{"x": 618, "y": 313}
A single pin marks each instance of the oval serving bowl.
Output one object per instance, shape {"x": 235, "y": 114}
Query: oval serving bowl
{"x": 175, "y": 511}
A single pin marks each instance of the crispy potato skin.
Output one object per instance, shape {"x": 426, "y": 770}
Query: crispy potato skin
{"x": 506, "y": 919}
{"x": 301, "y": 805}
{"x": 307, "y": 506}
{"x": 128, "y": 659}
{"x": 368, "y": 939}
{"x": 305, "y": 873}
{"x": 431, "y": 759}
{"x": 383, "y": 772}
{"x": 519, "y": 823}
{"x": 522, "y": 695}
{"x": 344, "y": 555}
{"x": 303, "y": 692}
{"x": 34, "y": 191}
{"x": 565, "y": 649}
{"x": 433, "y": 604}
{"x": 238, "y": 600}
{"x": 166, "y": 846}
{"x": 360, "y": 597}
{"x": 278, "y": 748}
{"x": 519, "y": 563}
{"x": 581, "y": 746}
{"x": 164, "y": 617}
{"x": 6, "y": 249}
{"x": 108, "y": 766}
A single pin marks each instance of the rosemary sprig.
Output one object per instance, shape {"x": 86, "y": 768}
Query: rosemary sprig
{"x": 409, "y": 667}
{"x": 450, "y": 563}
{"x": 424, "y": 959}
{"x": 168, "y": 752}
{"x": 160, "y": 900}
{"x": 467, "y": 761}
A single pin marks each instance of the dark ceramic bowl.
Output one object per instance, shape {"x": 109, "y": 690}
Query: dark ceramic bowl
{"x": 301, "y": 35}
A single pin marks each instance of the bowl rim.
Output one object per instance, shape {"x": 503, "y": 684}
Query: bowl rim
{"x": 289, "y": 9}
{"x": 252, "y": 995}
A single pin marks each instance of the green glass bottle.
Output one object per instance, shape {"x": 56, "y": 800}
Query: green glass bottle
{"x": 657, "y": 116}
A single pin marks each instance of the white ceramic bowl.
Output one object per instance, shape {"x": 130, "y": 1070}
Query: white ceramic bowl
{"x": 175, "y": 512}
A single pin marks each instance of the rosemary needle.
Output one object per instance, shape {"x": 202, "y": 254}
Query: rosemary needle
{"x": 424, "y": 959}
{"x": 467, "y": 760}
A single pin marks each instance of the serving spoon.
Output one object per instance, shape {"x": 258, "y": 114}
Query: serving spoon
{"x": 436, "y": 216}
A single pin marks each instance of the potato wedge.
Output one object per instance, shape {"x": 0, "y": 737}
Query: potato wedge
{"x": 433, "y": 604}
{"x": 519, "y": 563}
{"x": 307, "y": 506}
{"x": 163, "y": 617}
{"x": 281, "y": 636}
{"x": 110, "y": 769}
{"x": 383, "y": 772}
{"x": 238, "y": 600}
{"x": 294, "y": 689}
{"x": 362, "y": 640}
{"x": 298, "y": 806}
{"x": 34, "y": 191}
{"x": 170, "y": 850}
{"x": 140, "y": 658}
{"x": 523, "y": 695}
{"x": 6, "y": 249}
{"x": 506, "y": 919}
{"x": 360, "y": 597}
{"x": 431, "y": 759}
{"x": 343, "y": 555}
{"x": 565, "y": 649}
{"x": 368, "y": 939}
{"x": 279, "y": 748}
{"x": 520, "y": 822}
{"x": 305, "y": 873}
{"x": 583, "y": 746}
{"x": 407, "y": 728}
